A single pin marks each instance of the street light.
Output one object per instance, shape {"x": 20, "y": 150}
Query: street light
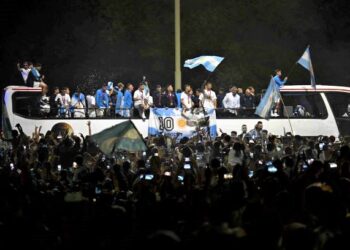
{"x": 177, "y": 46}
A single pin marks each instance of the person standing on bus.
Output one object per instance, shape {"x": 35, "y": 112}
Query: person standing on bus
{"x": 53, "y": 103}
{"x": 279, "y": 84}
{"x": 157, "y": 97}
{"x": 232, "y": 101}
{"x": 141, "y": 100}
{"x": 91, "y": 104}
{"x": 78, "y": 104}
{"x": 119, "y": 104}
{"x": 63, "y": 100}
{"x": 24, "y": 71}
{"x": 35, "y": 79}
{"x": 186, "y": 98}
{"x": 208, "y": 98}
{"x": 248, "y": 103}
{"x": 102, "y": 101}
{"x": 128, "y": 102}
{"x": 169, "y": 99}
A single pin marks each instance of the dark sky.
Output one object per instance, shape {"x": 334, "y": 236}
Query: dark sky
{"x": 89, "y": 42}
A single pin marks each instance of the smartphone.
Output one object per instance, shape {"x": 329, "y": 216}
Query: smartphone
{"x": 156, "y": 154}
{"x": 251, "y": 155}
{"x": 272, "y": 169}
{"x": 180, "y": 178}
{"x": 98, "y": 190}
{"x": 75, "y": 165}
{"x": 12, "y": 166}
{"x": 144, "y": 154}
{"x": 228, "y": 176}
{"x": 321, "y": 145}
{"x": 310, "y": 161}
{"x": 333, "y": 165}
{"x": 167, "y": 173}
{"x": 103, "y": 158}
{"x": 187, "y": 166}
{"x": 187, "y": 158}
{"x": 108, "y": 167}
{"x": 149, "y": 177}
{"x": 305, "y": 166}
{"x": 250, "y": 173}
{"x": 24, "y": 147}
{"x": 59, "y": 167}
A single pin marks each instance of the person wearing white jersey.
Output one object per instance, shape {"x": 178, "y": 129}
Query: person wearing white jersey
{"x": 208, "y": 97}
{"x": 232, "y": 101}
{"x": 186, "y": 98}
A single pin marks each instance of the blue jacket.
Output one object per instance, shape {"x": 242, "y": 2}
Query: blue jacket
{"x": 278, "y": 81}
{"x": 118, "y": 103}
{"x": 178, "y": 96}
{"x": 128, "y": 102}
{"x": 102, "y": 99}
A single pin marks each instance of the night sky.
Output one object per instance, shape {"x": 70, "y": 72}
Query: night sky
{"x": 88, "y": 42}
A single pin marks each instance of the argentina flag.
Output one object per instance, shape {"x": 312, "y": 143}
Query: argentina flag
{"x": 305, "y": 61}
{"x": 209, "y": 62}
{"x": 176, "y": 123}
{"x": 269, "y": 99}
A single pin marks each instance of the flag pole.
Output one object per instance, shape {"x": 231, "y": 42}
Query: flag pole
{"x": 285, "y": 110}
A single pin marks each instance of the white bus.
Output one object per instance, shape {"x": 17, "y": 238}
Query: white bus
{"x": 328, "y": 109}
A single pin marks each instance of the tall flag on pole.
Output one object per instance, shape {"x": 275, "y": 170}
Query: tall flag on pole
{"x": 209, "y": 62}
{"x": 269, "y": 99}
{"x": 305, "y": 61}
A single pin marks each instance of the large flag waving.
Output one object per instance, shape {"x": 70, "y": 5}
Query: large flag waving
{"x": 123, "y": 136}
{"x": 269, "y": 99}
{"x": 305, "y": 61}
{"x": 209, "y": 62}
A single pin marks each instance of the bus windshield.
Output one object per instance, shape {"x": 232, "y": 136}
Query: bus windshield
{"x": 26, "y": 104}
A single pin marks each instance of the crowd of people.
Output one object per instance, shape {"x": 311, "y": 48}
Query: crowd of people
{"x": 121, "y": 100}
{"x": 245, "y": 190}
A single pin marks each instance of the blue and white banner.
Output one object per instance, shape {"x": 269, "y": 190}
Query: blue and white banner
{"x": 209, "y": 62}
{"x": 305, "y": 61}
{"x": 271, "y": 96}
{"x": 175, "y": 122}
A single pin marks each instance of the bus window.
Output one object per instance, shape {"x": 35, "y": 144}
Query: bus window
{"x": 303, "y": 105}
{"x": 340, "y": 105}
{"x": 26, "y": 104}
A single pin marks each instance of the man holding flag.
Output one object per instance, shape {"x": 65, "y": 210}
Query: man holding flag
{"x": 279, "y": 84}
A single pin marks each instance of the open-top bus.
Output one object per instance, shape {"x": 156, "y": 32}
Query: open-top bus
{"x": 327, "y": 109}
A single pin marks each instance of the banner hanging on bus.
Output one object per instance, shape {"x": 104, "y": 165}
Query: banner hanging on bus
{"x": 175, "y": 122}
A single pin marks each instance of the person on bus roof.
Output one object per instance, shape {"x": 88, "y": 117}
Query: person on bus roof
{"x": 102, "y": 100}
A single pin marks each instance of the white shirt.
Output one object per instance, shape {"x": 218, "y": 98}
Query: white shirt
{"x": 91, "y": 101}
{"x": 25, "y": 73}
{"x": 208, "y": 98}
{"x": 139, "y": 97}
{"x": 186, "y": 100}
{"x": 65, "y": 99}
{"x": 231, "y": 102}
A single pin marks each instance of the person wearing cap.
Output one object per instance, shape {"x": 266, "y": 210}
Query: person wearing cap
{"x": 157, "y": 97}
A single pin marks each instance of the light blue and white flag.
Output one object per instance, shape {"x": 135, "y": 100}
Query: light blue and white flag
{"x": 270, "y": 97}
{"x": 174, "y": 122}
{"x": 305, "y": 61}
{"x": 209, "y": 62}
